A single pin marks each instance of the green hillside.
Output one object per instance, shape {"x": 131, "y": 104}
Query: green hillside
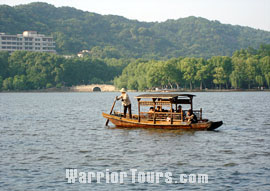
{"x": 116, "y": 37}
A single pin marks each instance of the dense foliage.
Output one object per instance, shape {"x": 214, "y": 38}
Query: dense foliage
{"x": 31, "y": 70}
{"x": 247, "y": 69}
{"x": 116, "y": 37}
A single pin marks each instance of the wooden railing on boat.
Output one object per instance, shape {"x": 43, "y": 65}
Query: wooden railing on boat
{"x": 151, "y": 103}
{"x": 163, "y": 116}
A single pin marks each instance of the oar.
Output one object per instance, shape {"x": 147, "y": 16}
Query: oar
{"x": 106, "y": 124}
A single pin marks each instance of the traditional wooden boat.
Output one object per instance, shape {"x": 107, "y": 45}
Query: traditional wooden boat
{"x": 166, "y": 119}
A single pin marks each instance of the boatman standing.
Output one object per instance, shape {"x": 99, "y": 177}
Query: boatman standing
{"x": 125, "y": 101}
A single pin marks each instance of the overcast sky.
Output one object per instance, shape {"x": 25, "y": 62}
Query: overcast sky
{"x": 252, "y": 13}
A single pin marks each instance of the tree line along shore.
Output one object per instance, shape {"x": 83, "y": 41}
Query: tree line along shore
{"x": 245, "y": 69}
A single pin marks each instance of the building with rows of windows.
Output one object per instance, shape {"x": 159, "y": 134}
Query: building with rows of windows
{"x": 28, "y": 41}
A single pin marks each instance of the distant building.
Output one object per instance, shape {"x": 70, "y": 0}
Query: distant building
{"x": 68, "y": 56}
{"x": 28, "y": 41}
{"x": 82, "y": 53}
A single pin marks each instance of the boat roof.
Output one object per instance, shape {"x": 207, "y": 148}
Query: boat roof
{"x": 164, "y": 96}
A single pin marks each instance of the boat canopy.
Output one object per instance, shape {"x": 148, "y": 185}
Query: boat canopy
{"x": 165, "y": 99}
{"x": 164, "y": 96}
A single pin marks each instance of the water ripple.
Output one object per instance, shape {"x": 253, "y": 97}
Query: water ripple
{"x": 42, "y": 134}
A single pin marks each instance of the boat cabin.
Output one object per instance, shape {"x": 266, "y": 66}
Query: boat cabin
{"x": 172, "y": 101}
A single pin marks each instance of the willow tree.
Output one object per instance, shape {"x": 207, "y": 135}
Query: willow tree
{"x": 238, "y": 76}
{"x": 188, "y": 67}
{"x": 219, "y": 76}
{"x": 265, "y": 68}
{"x": 202, "y": 72}
{"x": 250, "y": 70}
{"x": 221, "y": 68}
{"x": 267, "y": 78}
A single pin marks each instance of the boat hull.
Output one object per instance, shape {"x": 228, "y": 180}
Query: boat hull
{"x": 134, "y": 123}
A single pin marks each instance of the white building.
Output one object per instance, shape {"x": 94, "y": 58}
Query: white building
{"x": 82, "y": 53}
{"x": 28, "y": 41}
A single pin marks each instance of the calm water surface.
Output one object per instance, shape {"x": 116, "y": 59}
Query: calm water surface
{"x": 42, "y": 134}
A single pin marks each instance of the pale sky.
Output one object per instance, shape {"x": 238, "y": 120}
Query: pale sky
{"x": 252, "y": 13}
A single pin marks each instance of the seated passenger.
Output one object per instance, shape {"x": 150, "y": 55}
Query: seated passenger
{"x": 151, "y": 110}
{"x": 179, "y": 109}
{"x": 159, "y": 109}
{"x": 191, "y": 117}
{"x": 151, "y": 113}
{"x": 182, "y": 113}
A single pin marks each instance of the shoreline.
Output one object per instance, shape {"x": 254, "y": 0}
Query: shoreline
{"x": 69, "y": 90}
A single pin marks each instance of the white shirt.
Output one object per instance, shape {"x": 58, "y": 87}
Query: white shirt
{"x": 125, "y": 99}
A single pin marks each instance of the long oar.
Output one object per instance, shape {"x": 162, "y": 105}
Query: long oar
{"x": 106, "y": 124}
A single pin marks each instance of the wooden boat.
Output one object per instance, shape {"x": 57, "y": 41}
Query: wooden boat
{"x": 168, "y": 119}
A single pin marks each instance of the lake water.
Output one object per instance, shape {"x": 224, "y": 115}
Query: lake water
{"x": 43, "y": 134}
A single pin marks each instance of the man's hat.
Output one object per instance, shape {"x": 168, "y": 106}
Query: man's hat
{"x": 123, "y": 90}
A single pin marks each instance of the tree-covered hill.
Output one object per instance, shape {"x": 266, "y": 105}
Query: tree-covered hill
{"x": 116, "y": 37}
